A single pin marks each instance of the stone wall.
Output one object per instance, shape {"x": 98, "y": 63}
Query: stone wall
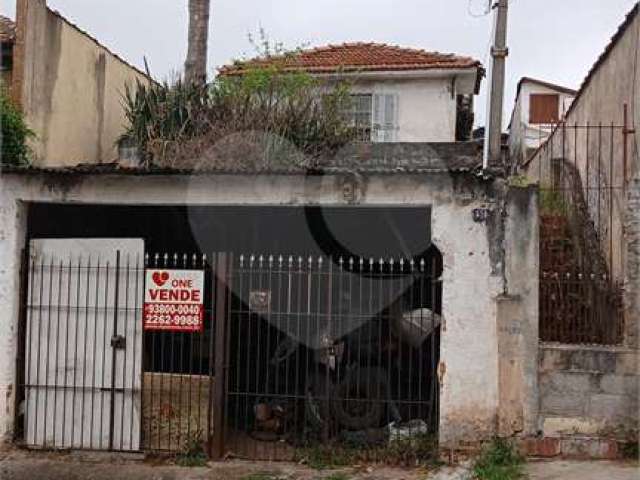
{"x": 589, "y": 391}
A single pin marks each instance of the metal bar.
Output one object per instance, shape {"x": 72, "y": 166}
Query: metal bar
{"x": 138, "y": 271}
{"x": 217, "y": 403}
{"x": 227, "y": 320}
{"x": 21, "y": 343}
{"x": 75, "y": 351}
{"x": 66, "y": 352}
{"x": 114, "y": 352}
{"x": 625, "y": 148}
{"x": 124, "y": 362}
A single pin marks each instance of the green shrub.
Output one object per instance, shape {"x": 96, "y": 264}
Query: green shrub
{"x": 552, "y": 202}
{"x": 266, "y": 114}
{"x": 500, "y": 460}
{"x": 15, "y": 133}
{"x": 192, "y": 454}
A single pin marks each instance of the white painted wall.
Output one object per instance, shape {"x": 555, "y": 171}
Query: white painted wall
{"x": 472, "y": 280}
{"x": 426, "y": 110}
{"x": 525, "y": 135}
{"x": 426, "y": 104}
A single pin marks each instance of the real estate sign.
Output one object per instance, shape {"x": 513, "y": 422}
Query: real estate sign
{"x": 173, "y": 300}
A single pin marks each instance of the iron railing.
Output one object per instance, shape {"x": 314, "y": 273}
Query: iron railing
{"x": 583, "y": 175}
{"x": 295, "y": 355}
{"x": 331, "y": 354}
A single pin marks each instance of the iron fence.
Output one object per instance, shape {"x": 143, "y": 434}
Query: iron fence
{"x": 293, "y": 355}
{"x": 77, "y": 379}
{"x": 331, "y": 354}
{"x": 583, "y": 175}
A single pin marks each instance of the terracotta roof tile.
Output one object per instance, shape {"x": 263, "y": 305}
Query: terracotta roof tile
{"x": 7, "y": 30}
{"x": 349, "y": 57}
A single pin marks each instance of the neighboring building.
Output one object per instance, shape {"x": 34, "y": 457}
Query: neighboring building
{"x": 589, "y": 174}
{"x": 399, "y": 94}
{"x": 68, "y": 85}
{"x": 7, "y": 40}
{"x": 538, "y": 108}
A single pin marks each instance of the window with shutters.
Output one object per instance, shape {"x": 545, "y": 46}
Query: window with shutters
{"x": 373, "y": 116}
{"x": 359, "y": 115}
{"x": 385, "y": 114}
{"x": 544, "y": 108}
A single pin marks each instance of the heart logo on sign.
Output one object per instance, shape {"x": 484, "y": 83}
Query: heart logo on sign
{"x": 160, "y": 278}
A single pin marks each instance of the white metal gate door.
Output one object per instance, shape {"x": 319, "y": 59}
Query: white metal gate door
{"x": 83, "y": 359}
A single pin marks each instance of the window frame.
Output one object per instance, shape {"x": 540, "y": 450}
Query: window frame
{"x": 541, "y": 112}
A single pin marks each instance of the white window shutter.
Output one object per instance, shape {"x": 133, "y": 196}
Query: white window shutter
{"x": 385, "y": 122}
{"x": 390, "y": 121}
{"x": 378, "y": 109}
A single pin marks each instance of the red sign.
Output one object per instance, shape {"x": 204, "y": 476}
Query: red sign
{"x": 173, "y": 300}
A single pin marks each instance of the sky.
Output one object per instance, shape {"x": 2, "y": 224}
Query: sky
{"x": 553, "y": 40}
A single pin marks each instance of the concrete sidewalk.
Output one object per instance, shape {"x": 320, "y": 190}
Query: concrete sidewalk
{"x": 596, "y": 470}
{"x": 23, "y": 465}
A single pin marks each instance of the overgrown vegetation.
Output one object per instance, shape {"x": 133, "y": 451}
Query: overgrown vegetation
{"x": 631, "y": 450}
{"x": 552, "y": 202}
{"x": 500, "y": 460}
{"x": 264, "y": 115}
{"x": 192, "y": 454}
{"x": 14, "y": 149}
{"x": 417, "y": 450}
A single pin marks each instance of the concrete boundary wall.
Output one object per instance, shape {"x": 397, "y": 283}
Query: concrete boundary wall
{"x": 487, "y": 235}
{"x": 589, "y": 390}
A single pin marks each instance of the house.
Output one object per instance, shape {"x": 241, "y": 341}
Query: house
{"x": 538, "y": 108}
{"x": 589, "y": 174}
{"x": 399, "y": 94}
{"x": 67, "y": 84}
{"x": 392, "y": 269}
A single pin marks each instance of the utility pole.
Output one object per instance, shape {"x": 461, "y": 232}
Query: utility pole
{"x": 499, "y": 52}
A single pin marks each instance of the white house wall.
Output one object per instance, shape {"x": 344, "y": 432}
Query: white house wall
{"x": 426, "y": 109}
{"x": 476, "y": 276}
{"x": 524, "y": 135}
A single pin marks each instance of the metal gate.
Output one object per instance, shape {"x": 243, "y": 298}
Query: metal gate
{"x": 294, "y": 354}
{"x": 331, "y": 354}
{"x": 82, "y": 346}
{"x": 583, "y": 174}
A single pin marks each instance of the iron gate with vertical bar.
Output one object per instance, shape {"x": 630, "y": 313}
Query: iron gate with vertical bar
{"x": 82, "y": 348}
{"x": 583, "y": 174}
{"x": 331, "y": 353}
{"x": 295, "y": 353}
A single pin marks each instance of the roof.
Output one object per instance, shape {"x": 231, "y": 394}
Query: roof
{"x": 7, "y": 30}
{"x": 350, "y": 57}
{"x": 380, "y": 158}
{"x": 631, "y": 16}
{"x": 543, "y": 83}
